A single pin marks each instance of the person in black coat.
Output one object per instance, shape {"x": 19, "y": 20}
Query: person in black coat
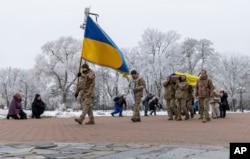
{"x": 146, "y": 101}
{"x": 223, "y": 103}
{"x": 153, "y": 104}
{"x": 38, "y": 107}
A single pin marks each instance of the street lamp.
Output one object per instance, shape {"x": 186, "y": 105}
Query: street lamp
{"x": 241, "y": 90}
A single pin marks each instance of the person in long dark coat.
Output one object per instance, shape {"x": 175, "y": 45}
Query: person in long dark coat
{"x": 224, "y": 106}
{"x": 38, "y": 107}
{"x": 15, "y": 109}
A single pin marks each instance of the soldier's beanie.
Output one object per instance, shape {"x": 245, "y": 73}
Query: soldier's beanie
{"x": 133, "y": 72}
{"x": 85, "y": 66}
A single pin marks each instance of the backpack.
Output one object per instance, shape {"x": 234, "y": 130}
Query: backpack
{"x": 116, "y": 99}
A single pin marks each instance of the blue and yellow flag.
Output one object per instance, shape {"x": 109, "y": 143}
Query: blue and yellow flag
{"x": 191, "y": 79}
{"x": 98, "y": 48}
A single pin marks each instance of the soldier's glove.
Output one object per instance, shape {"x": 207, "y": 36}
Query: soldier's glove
{"x": 79, "y": 74}
{"x": 76, "y": 95}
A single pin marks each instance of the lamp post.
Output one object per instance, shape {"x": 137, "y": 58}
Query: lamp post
{"x": 241, "y": 90}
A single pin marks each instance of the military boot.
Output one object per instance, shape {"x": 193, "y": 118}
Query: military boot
{"x": 187, "y": 117}
{"x": 90, "y": 122}
{"x": 204, "y": 120}
{"x": 79, "y": 120}
{"x": 170, "y": 118}
{"x": 179, "y": 118}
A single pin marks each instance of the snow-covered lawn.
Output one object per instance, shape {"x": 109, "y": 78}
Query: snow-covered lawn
{"x": 70, "y": 113}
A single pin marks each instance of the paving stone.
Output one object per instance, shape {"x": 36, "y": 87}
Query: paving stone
{"x": 45, "y": 146}
{"x": 211, "y": 154}
{"x": 35, "y": 157}
{"x": 134, "y": 146}
{"x": 7, "y": 149}
{"x": 131, "y": 154}
{"x": 44, "y": 152}
{"x": 102, "y": 148}
{"x": 178, "y": 153}
{"x": 96, "y": 154}
{"x": 120, "y": 149}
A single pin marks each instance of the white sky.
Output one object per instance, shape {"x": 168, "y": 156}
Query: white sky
{"x": 25, "y": 25}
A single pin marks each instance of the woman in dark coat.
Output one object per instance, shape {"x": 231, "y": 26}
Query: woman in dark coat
{"x": 15, "y": 109}
{"x": 223, "y": 104}
{"x": 38, "y": 107}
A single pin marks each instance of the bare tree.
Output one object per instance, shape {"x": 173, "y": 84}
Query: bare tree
{"x": 234, "y": 68}
{"x": 190, "y": 52}
{"x": 59, "y": 62}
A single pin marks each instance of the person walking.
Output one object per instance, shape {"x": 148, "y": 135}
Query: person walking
{"x": 215, "y": 104}
{"x": 137, "y": 84}
{"x": 38, "y": 107}
{"x": 86, "y": 87}
{"x": 169, "y": 96}
{"x": 181, "y": 97}
{"x": 145, "y": 102}
{"x": 204, "y": 92}
{"x": 15, "y": 110}
{"x": 153, "y": 105}
{"x": 119, "y": 102}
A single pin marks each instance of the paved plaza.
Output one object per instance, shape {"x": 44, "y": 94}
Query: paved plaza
{"x": 116, "y": 137}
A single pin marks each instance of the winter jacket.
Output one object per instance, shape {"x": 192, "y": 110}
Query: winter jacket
{"x": 153, "y": 103}
{"x": 224, "y": 102}
{"x": 38, "y": 106}
{"x": 121, "y": 101}
{"x": 181, "y": 90}
{"x": 86, "y": 84}
{"x": 15, "y": 106}
{"x": 169, "y": 90}
{"x": 138, "y": 86}
{"x": 216, "y": 96}
{"x": 204, "y": 88}
{"x": 190, "y": 96}
{"x": 147, "y": 99}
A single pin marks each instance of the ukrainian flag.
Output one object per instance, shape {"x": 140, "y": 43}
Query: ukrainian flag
{"x": 99, "y": 48}
{"x": 191, "y": 79}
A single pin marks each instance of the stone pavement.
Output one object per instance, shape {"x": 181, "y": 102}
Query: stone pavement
{"x": 110, "y": 151}
{"x": 115, "y": 137}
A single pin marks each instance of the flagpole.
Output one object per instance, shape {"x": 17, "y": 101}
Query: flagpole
{"x": 82, "y": 26}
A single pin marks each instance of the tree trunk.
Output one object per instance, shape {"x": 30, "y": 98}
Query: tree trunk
{"x": 64, "y": 97}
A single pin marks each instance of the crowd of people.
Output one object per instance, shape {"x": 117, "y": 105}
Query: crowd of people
{"x": 182, "y": 99}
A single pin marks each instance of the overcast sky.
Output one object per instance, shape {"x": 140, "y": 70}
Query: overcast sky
{"x": 28, "y": 24}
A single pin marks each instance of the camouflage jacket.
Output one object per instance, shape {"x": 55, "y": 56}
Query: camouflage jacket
{"x": 204, "y": 88}
{"x": 169, "y": 90}
{"x": 86, "y": 84}
{"x": 137, "y": 86}
{"x": 181, "y": 90}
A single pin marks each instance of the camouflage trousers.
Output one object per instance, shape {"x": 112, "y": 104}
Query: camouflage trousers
{"x": 181, "y": 106}
{"x": 171, "y": 108}
{"x": 136, "y": 114}
{"x": 86, "y": 108}
{"x": 204, "y": 107}
{"x": 189, "y": 106}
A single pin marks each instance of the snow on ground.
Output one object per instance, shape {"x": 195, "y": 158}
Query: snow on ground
{"x": 70, "y": 113}
{"x": 98, "y": 113}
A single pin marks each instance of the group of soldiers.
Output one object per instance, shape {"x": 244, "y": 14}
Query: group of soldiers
{"x": 178, "y": 95}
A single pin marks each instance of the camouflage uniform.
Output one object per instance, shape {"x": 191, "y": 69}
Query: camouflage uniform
{"x": 181, "y": 99}
{"x": 190, "y": 99}
{"x": 137, "y": 86}
{"x": 86, "y": 88}
{"x": 169, "y": 96}
{"x": 204, "y": 90}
